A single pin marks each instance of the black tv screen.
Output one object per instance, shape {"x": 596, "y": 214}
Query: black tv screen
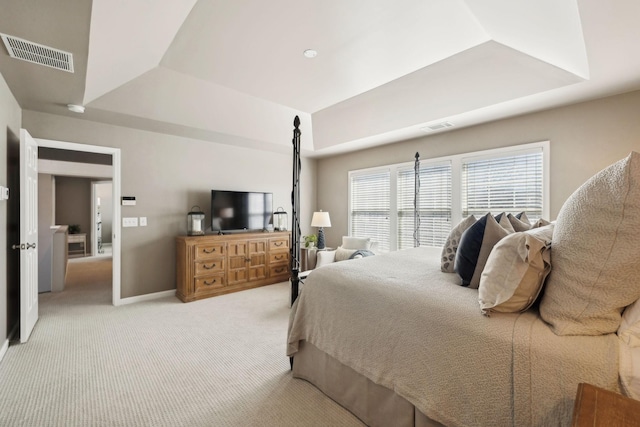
{"x": 234, "y": 211}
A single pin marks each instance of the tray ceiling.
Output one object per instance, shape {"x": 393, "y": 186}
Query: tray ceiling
{"x": 234, "y": 72}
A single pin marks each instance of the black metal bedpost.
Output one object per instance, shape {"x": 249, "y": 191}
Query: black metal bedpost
{"x": 295, "y": 212}
{"x": 416, "y": 202}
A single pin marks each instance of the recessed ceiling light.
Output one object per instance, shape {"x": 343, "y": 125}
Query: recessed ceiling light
{"x": 310, "y": 53}
{"x": 76, "y": 108}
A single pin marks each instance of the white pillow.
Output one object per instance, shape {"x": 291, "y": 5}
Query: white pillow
{"x": 515, "y": 271}
{"x": 325, "y": 257}
{"x": 596, "y": 255}
{"x": 349, "y": 242}
{"x": 629, "y": 335}
{"x": 629, "y": 330}
{"x": 630, "y": 370}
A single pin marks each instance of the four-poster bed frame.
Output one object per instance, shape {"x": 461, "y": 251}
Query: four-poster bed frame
{"x": 295, "y": 210}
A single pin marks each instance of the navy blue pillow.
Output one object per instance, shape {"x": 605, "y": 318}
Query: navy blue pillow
{"x": 475, "y": 246}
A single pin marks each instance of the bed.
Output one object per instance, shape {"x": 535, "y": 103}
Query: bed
{"x": 397, "y": 341}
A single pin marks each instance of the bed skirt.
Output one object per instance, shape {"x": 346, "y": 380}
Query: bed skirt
{"x": 374, "y": 404}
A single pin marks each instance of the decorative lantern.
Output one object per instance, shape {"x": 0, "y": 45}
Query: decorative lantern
{"x": 195, "y": 222}
{"x": 280, "y": 219}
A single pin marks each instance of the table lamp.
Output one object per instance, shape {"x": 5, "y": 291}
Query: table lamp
{"x": 321, "y": 219}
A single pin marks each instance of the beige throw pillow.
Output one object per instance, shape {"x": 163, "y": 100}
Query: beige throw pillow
{"x": 343, "y": 254}
{"x": 504, "y": 222}
{"x": 515, "y": 271}
{"x": 596, "y": 253}
{"x": 518, "y": 224}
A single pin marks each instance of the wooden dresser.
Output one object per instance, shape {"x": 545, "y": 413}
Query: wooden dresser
{"x": 213, "y": 265}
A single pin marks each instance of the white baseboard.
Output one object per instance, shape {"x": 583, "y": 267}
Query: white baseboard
{"x": 147, "y": 297}
{"x": 3, "y": 350}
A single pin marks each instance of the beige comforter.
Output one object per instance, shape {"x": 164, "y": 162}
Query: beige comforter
{"x": 398, "y": 320}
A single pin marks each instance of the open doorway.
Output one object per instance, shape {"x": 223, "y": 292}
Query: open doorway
{"x": 67, "y": 149}
{"x": 102, "y": 214}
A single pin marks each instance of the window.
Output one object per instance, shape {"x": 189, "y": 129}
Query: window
{"x": 434, "y": 205}
{"x": 503, "y": 180}
{"x": 507, "y": 183}
{"x": 370, "y": 204}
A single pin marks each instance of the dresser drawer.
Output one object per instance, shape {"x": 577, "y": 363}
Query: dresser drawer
{"x": 278, "y": 244}
{"x": 281, "y": 257}
{"x": 209, "y": 283}
{"x": 208, "y": 251}
{"x": 279, "y": 270}
{"x": 209, "y": 266}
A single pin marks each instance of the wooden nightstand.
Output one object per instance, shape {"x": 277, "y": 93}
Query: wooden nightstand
{"x": 597, "y": 407}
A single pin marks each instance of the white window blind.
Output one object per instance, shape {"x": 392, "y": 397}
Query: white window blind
{"x": 370, "y": 206}
{"x": 511, "y": 183}
{"x": 512, "y": 180}
{"x": 434, "y": 205}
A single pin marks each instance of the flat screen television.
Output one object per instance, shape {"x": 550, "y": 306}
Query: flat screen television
{"x": 237, "y": 211}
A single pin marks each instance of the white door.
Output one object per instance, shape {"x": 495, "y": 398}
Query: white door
{"x": 28, "y": 234}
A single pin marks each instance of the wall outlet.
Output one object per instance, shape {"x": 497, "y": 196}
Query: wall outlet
{"x": 130, "y": 222}
{"x": 143, "y": 221}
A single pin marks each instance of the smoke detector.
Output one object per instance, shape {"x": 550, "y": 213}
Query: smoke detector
{"x": 37, "y": 53}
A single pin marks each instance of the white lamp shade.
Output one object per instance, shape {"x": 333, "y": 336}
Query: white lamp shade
{"x": 321, "y": 219}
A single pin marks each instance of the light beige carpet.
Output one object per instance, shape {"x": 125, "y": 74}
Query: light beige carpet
{"x": 215, "y": 362}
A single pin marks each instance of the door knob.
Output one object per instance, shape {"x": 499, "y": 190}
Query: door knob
{"x": 22, "y": 246}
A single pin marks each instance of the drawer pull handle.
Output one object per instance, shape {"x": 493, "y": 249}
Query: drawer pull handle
{"x": 209, "y": 251}
{"x": 278, "y": 243}
{"x": 279, "y": 257}
{"x": 209, "y": 267}
{"x": 280, "y": 270}
{"x": 210, "y": 283}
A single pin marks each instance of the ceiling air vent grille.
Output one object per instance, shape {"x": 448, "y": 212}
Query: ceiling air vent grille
{"x": 37, "y": 53}
{"x": 437, "y": 126}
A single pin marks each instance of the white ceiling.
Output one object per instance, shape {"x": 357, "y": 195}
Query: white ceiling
{"x": 233, "y": 71}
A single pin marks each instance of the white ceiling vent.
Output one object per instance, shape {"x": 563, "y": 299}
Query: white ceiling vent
{"x": 437, "y": 126}
{"x": 37, "y": 53}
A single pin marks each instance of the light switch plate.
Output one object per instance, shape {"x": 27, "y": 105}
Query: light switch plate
{"x": 130, "y": 222}
{"x": 4, "y": 193}
{"x": 143, "y": 221}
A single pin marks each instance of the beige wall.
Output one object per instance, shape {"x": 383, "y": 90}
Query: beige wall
{"x": 168, "y": 175}
{"x": 10, "y": 118}
{"x": 73, "y": 204}
{"x": 584, "y": 137}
